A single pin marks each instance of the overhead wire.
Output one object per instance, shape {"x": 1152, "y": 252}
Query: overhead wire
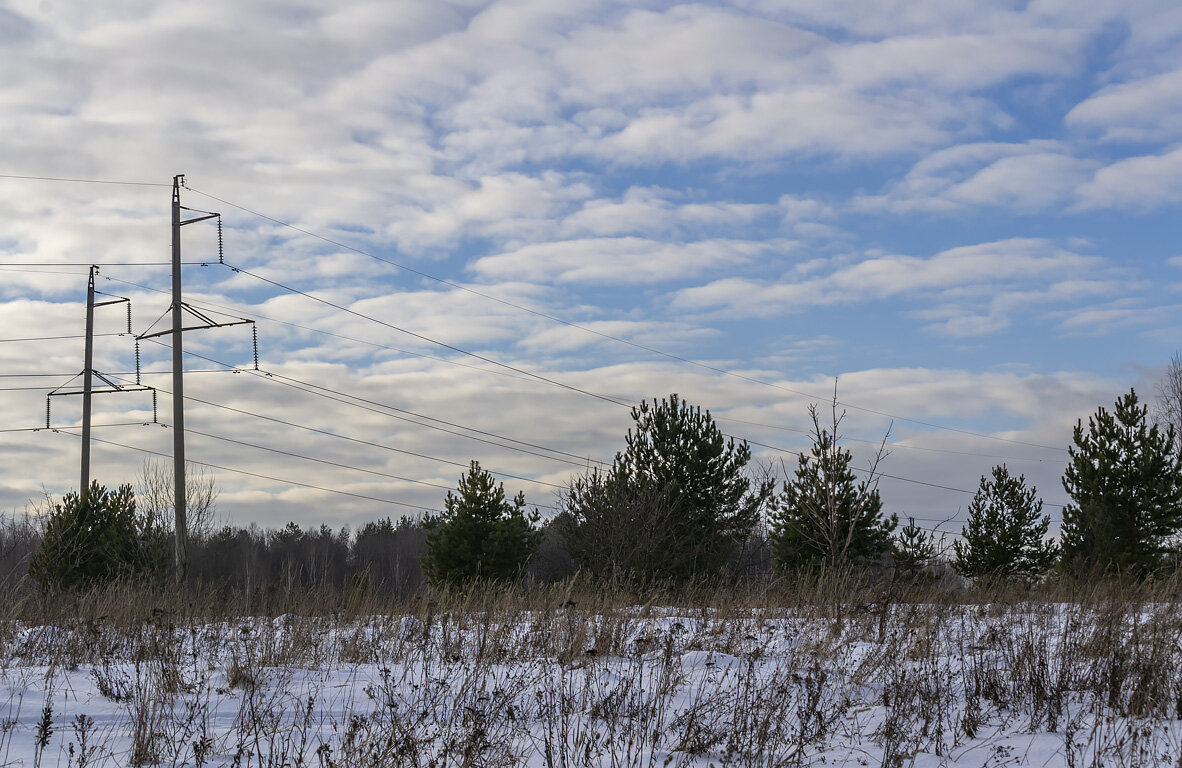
{"x": 565, "y": 386}
{"x": 99, "y": 264}
{"x": 258, "y": 316}
{"x": 423, "y": 337}
{"x": 364, "y": 403}
{"x": 875, "y": 473}
{"x": 778, "y": 449}
{"x": 520, "y": 307}
{"x": 77, "y": 426}
{"x": 523, "y": 372}
{"x": 903, "y": 446}
{"x": 24, "y": 389}
{"x": 83, "y": 181}
{"x": 327, "y": 462}
{"x": 618, "y": 339}
{"x": 338, "y": 436}
{"x": 39, "y": 271}
{"x": 618, "y": 402}
{"x": 55, "y": 338}
{"x": 262, "y": 476}
{"x": 528, "y": 373}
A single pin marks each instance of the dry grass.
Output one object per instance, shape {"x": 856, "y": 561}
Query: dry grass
{"x": 574, "y": 674}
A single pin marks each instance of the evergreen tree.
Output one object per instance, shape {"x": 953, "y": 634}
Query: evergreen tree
{"x": 675, "y": 504}
{"x": 914, "y": 550}
{"x": 1006, "y": 532}
{"x": 826, "y": 516}
{"x": 96, "y": 538}
{"x": 481, "y": 536}
{"x": 1125, "y": 483}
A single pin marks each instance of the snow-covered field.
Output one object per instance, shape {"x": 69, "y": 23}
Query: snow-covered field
{"x": 916, "y": 684}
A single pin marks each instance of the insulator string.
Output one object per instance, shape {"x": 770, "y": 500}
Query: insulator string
{"x": 154, "y": 421}
{"x": 137, "y": 362}
{"x": 129, "y": 316}
{"x": 254, "y": 336}
{"x": 221, "y": 252}
{"x": 48, "y": 400}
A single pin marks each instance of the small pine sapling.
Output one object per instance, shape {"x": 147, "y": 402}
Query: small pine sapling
{"x": 480, "y": 536}
{"x": 825, "y": 516}
{"x": 1005, "y": 537}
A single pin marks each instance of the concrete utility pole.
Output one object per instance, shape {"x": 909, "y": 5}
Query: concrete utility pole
{"x": 179, "y": 307}
{"x": 181, "y": 559}
{"x": 87, "y": 386}
{"x": 88, "y": 376}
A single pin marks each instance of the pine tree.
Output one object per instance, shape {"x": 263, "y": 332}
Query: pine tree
{"x": 94, "y": 539}
{"x": 1006, "y": 532}
{"x": 826, "y": 516}
{"x": 1125, "y": 483}
{"x": 481, "y": 536}
{"x": 675, "y": 504}
{"x": 914, "y": 550}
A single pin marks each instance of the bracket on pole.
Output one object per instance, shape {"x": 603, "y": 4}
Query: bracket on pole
{"x": 88, "y": 375}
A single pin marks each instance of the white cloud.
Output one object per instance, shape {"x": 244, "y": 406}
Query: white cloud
{"x": 504, "y": 207}
{"x": 1149, "y": 109}
{"x": 622, "y": 260}
{"x": 964, "y": 316}
{"x": 1101, "y": 319}
{"x": 956, "y": 63}
{"x": 979, "y": 273}
{"x": 659, "y": 212}
{"x": 1025, "y": 178}
{"x": 806, "y": 120}
{"x": 1146, "y": 182}
{"x": 583, "y": 158}
{"x": 664, "y": 336}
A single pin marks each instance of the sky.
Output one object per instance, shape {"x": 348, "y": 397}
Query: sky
{"x": 482, "y": 230}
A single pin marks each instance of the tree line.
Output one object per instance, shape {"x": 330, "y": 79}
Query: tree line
{"x": 680, "y": 503}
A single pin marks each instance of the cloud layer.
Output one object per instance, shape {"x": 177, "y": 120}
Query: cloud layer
{"x": 522, "y": 212}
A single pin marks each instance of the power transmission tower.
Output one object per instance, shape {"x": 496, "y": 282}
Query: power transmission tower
{"x": 179, "y": 307}
{"x": 88, "y": 375}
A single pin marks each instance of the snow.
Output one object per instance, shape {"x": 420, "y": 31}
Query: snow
{"x": 915, "y": 685}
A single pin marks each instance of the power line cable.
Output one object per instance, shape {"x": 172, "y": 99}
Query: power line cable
{"x": 779, "y": 449}
{"x": 876, "y": 442}
{"x": 336, "y": 464}
{"x": 265, "y": 477}
{"x": 571, "y": 458}
{"x": 23, "y": 389}
{"x": 83, "y": 181}
{"x": 525, "y": 378}
{"x": 99, "y": 263}
{"x": 293, "y": 454}
{"x": 875, "y": 473}
{"x": 359, "y": 441}
{"x": 209, "y": 304}
{"x": 422, "y": 337}
{"x": 55, "y": 338}
{"x": 77, "y": 426}
{"x": 618, "y": 339}
{"x": 117, "y": 373}
{"x": 327, "y": 462}
{"x": 39, "y": 271}
{"x": 320, "y": 391}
